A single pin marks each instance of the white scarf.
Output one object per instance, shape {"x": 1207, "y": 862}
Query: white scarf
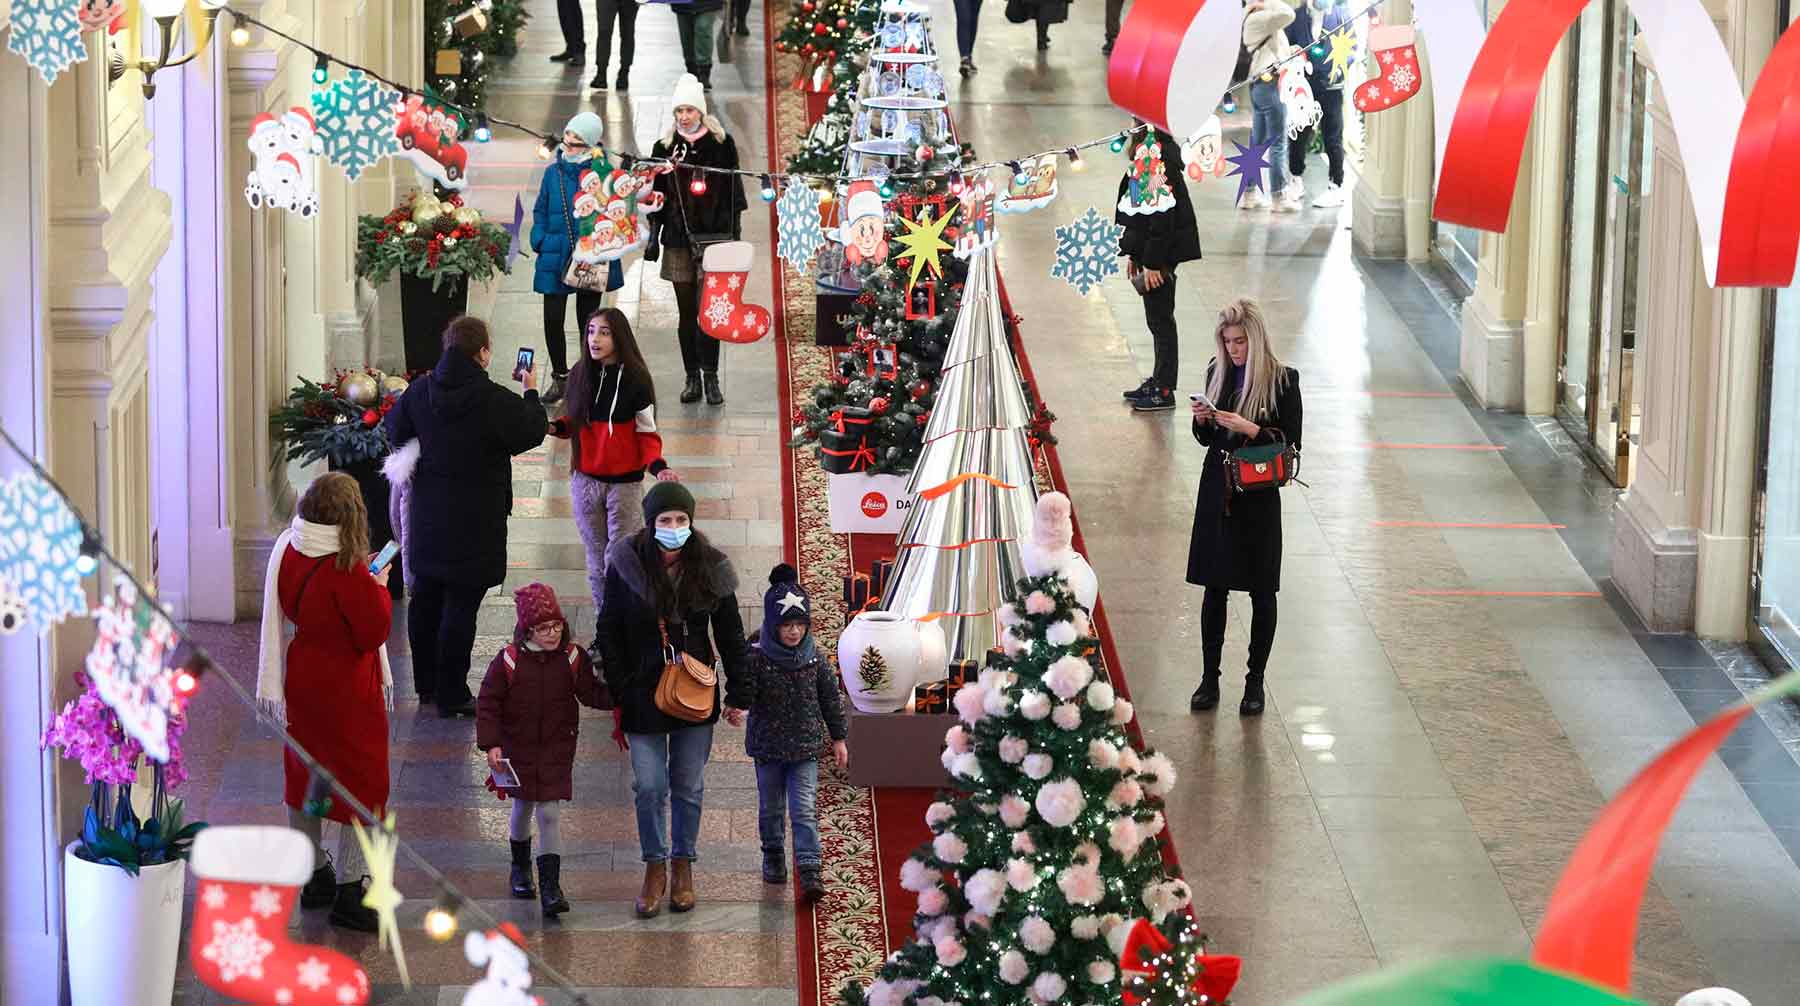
{"x": 313, "y": 541}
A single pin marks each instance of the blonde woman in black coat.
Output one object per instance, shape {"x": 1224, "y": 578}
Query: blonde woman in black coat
{"x": 1236, "y": 542}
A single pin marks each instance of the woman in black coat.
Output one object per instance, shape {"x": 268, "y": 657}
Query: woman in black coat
{"x": 1236, "y": 542}
{"x": 468, "y": 430}
{"x": 1156, "y": 242}
{"x": 667, "y": 574}
{"x": 695, "y": 137}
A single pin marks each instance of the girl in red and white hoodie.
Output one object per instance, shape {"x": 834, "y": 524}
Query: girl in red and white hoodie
{"x": 611, "y": 417}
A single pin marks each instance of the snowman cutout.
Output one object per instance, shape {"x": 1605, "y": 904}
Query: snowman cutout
{"x": 508, "y": 974}
{"x": 283, "y": 175}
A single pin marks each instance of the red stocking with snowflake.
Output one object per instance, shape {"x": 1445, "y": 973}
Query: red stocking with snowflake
{"x": 249, "y": 878}
{"x": 723, "y": 313}
{"x": 1397, "y": 69}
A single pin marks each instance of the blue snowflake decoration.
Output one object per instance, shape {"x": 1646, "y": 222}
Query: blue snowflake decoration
{"x": 48, "y": 34}
{"x": 1087, "y": 251}
{"x": 40, "y": 546}
{"x": 798, "y": 231}
{"x": 356, "y": 122}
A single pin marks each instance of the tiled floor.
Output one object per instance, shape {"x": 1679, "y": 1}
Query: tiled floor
{"x": 1430, "y": 755}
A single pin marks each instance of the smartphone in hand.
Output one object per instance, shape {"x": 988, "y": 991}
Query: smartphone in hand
{"x": 1200, "y": 399}
{"x": 504, "y": 776}
{"x": 526, "y": 357}
{"x": 385, "y": 556}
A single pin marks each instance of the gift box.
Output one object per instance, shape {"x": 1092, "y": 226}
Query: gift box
{"x": 997, "y": 657}
{"x": 962, "y": 672}
{"x": 851, "y": 418}
{"x": 836, "y": 313}
{"x": 932, "y": 697}
{"x": 844, "y": 453}
{"x": 857, "y": 593}
{"x": 880, "y": 572}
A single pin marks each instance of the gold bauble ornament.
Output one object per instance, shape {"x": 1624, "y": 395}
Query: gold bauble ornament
{"x": 468, "y": 216}
{"x": 408, "y": 228}
{"x": 425, "y": 213}
{"x": 359, "y": 389}
{"x": 393, "y": 384}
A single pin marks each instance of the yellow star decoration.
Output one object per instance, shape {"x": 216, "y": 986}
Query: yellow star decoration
{"x": 924, "y": 243}
{"x": 1343, "y": 50}
{"x": 379, "y": 848}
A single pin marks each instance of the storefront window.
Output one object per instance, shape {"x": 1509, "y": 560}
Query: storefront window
{"x": 1458, "y": 247}
{"x": 1779, "y": 601}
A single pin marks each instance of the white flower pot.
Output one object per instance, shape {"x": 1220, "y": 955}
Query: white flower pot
{"x": 123, "y": 932}
{"x": 913, "y": 652}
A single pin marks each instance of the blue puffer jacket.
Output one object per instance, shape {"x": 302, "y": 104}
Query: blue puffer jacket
{"x": 551, "y": 241}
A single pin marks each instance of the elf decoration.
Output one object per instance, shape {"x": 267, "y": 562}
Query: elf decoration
{"x": 285, "y": 173}
{"x": 864, "y": 230}
{"x": 723, "y": 313}
{"x": 1147, "y": 187}
{"x": 610, "y": 212}
{"x": 249, "y": 878}
{"x": 1397, "y": 69}
{"x": 1204, "y": 152}
{"x": 976, "y": 227}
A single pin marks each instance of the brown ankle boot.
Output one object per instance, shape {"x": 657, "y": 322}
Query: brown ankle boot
{"x": 656, "y": 884}
{"x": 681, "y": 886}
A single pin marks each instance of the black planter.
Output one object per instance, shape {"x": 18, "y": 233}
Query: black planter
{"x": 425, "y": 313}
{"x": 374, "y": 486}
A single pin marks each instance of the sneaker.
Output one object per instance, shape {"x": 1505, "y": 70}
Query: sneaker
{"x": 1332, "y": 197}
{"x": 967, "y": 68}
{"x": 1255, "y": 199}
{"x": 1140, "y": 391}
{"x": 1295, "y": 191}
{"x": 1287, "y": 204}
{"x": 1157, "y": 400}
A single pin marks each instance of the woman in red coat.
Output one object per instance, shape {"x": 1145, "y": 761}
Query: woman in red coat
{"x": 527, "y": 715}
{"x": 331, "y": 683}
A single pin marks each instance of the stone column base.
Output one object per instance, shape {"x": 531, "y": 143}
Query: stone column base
{"x": 1493, "y": 357}
{"x": 1377, "y": 222}
{"x": 1655, "y": 567}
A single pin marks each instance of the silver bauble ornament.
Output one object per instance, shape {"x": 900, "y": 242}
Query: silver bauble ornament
{"x": 359, "y": 389}
{"x": 393, "y": 384}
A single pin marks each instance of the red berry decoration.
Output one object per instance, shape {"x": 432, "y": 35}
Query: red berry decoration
{"x": 878, "y": 405}
{"x": 842, "y": 23}
{"x": 820, "y": 29}
{"x": 369, "y": 417}
{"x": 920, "y": 390}
{"x": 924, "y": 417}
{"x": 923, "y": 153}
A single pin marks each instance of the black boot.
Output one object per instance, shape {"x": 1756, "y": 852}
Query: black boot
{"x": 1207, "y": 695}
{"x": 624, "y": 81}
{"x": 550, "y": 881}
{"x": 573, "y": 57}
{"x": 521, "y": 870}
{"x": 714, "y": 395}
{"x": 599, "y": 82}
{"x": 705, "y": 75}
{"x": 742, "y": 25}
{"x": 1253, "y": 695}
{"x": 774, "y": 866}
{"x": 348, "y": 910}
{"x": 321, "y": 889}
{"x": 690, "y": 392}
{"x": 812, "y": 883}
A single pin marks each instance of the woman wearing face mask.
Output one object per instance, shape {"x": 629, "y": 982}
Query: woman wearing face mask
{"x": 698, "y": 207}
{"x": 667, "y": 581}
{"x": 611, "y": 416}
{"x": 553, "y": 241}
{"x": 1236, "y": 542}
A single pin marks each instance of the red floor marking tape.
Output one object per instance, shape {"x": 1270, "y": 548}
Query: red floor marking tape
{"x": 1504, "y": 593}
{"x": 1468, "y": 523}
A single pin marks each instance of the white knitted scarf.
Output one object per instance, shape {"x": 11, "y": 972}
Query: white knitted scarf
{"x": 313, "y": 541}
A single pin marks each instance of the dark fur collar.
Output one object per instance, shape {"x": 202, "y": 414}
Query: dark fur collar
{"x": 622, "y": 556}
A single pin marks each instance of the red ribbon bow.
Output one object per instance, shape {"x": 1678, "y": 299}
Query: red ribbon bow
{"x": 1218, "y": 972}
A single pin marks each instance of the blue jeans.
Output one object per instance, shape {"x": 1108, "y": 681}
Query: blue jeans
{"x": 799, "y": 782}
{"x": 1268, "y": 124}
{"x": 669, "y": 768}
{"x": 968, "y": 12}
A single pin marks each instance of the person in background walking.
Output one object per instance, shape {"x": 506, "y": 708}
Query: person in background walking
{"x": 698, "y": 207}
{"x": 968, "y": 16}
{"x": 1236, "y": 541}
{"x": 605, "y": 13}
{"x": 1265, "y": 22}
{"x": 468, "y": 430}
{"x": 528, "y": 716}
{"x": 791, "y": 694}
{"x": 568, "y": 17}
{"x": 1313, "y": 21}
{"x": 611, "y": 416}
{"x": 1155, "y": 243}
{"x": 1047, "y": 13}
{"x": 553, "y": 241}
{"x": 1115, "y": 17}
{"x": 696, "y": 23}
{"x": 667, "y": 586}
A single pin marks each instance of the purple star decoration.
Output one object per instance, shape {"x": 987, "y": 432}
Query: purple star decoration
{"x": 1250, "y": 163}
{"x": 518, "y": 220}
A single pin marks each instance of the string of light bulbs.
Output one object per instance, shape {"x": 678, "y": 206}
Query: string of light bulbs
{"x": 769, "y": 181}
{"x": 441, "y": 920}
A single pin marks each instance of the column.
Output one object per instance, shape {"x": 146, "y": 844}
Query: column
{"x": 1378, "y": 202}
{"x": 1493, "y": 320}
{"x": 31, "y": 844}
{"x": 1546, "y": 258}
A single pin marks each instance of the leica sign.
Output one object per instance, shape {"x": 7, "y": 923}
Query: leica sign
{"x": 868, "y": 504}
{"x": 874, "y": 505}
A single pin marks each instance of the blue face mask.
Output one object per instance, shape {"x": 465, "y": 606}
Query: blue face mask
{"x": 577, "y": 156}
{"x": 672, "y": 538}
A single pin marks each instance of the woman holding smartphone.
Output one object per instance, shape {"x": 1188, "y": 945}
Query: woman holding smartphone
{"x": 1251, "y": 398}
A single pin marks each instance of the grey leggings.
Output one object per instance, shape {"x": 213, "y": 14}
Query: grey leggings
{"x": 549, "y": 824}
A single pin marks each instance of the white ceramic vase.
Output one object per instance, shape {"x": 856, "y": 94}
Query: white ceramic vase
{"x": 123, "y": 932}
{"x": 912, "y": 651}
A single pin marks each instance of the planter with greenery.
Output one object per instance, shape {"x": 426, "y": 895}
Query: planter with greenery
{"x": 437, "y": 246}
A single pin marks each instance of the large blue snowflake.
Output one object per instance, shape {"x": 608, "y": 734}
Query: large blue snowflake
{"x": 356, "y": 122}
{"x": 1087, "y": 251}
{"x": 40, "y": 545}
{"x": 798, "y": 232}
{"x": 48, "y": 34}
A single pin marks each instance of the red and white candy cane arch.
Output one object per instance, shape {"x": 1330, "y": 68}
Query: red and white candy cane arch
{"x": 1173, "y": 56}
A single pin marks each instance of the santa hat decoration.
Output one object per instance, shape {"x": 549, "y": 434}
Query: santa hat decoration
{"x": 864, "y": 201}
{"x": 257, "y": 122}
{"x": 303, "y": 113}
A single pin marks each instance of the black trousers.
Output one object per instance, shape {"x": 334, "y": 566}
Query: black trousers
{"x": 1213, "y": 614}
{"x": 1115, "y": 12}
{"x": 1331, "y": 136}
{"x": 568, "y": 15}
{"x": 440, "y": 625}
{"x": 699, "y": 351}
{"x": 1159, "y": 315}
{"x": 556, "y": 311}
{"x": 740, "y": 12}
{"x": 605, "y": 11}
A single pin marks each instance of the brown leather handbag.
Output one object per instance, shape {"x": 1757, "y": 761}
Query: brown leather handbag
{"x": 687, "y": 689}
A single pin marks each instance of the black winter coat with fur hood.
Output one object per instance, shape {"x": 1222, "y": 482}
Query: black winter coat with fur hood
{"x": 628, "y": 640}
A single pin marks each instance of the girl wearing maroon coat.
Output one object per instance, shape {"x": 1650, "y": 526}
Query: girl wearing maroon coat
{"x": 331, "y": 684}
{"x": 527, "y": 715}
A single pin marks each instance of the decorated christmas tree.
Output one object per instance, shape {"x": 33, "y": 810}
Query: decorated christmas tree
{"x": 823, "y": 151}
{"x": 1029, "y": 890}
{"x": 826, "y": 31}
{"x": 463, "y": 39}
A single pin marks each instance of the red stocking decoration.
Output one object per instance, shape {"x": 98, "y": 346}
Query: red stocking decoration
{"x": 249, "y": 879}
{"x": 723, "y": 313}
{"x": 1398, "y": 64}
